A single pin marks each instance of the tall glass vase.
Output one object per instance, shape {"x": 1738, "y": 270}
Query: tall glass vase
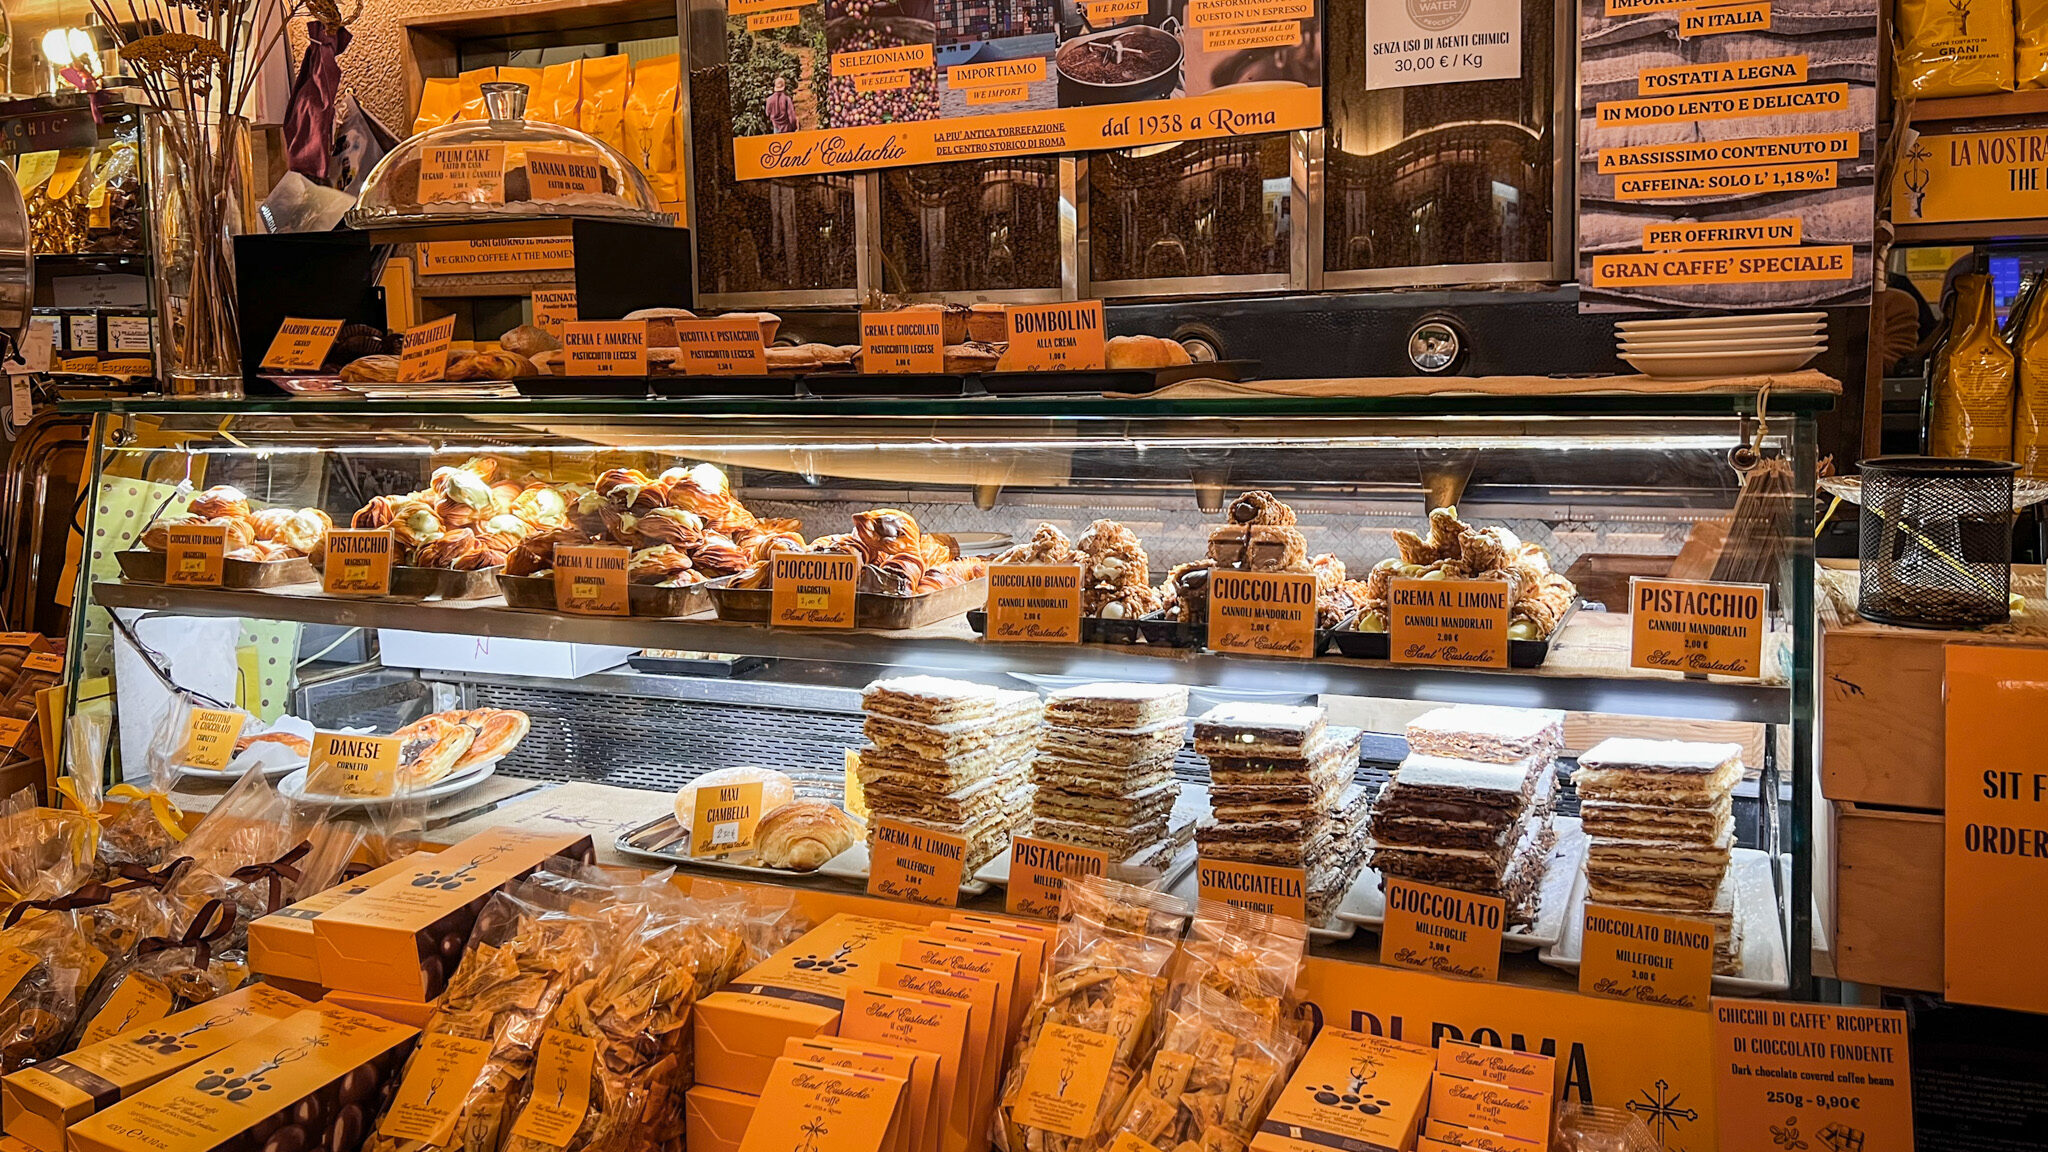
{"x": 201, "y": 195}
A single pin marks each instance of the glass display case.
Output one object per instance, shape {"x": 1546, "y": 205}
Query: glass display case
{"x": 1597, "y": 487}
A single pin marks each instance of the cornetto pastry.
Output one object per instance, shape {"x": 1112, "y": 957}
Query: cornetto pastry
{"x": 298, "y": 745}
{"x": 429, "y": 749}
{"x": 661, "y": 324}
{"x": 803, "y": 834}
{"x": 973, "y": 356}
{"x": 528, "y": 340}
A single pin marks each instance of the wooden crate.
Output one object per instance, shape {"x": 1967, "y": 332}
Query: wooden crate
{"x": 1888, "y": 899}
{"x": 1882, "y": 728}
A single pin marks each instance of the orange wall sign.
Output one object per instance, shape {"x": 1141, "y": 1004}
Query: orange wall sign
{"x": 1950, "y": 176}
{"x": 1995, "y": 858}
{"x": 1822, "y": 1076}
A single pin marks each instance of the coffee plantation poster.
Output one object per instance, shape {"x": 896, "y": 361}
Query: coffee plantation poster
{"x": 1727, "y": 153}
{"x": 845, "y": 85}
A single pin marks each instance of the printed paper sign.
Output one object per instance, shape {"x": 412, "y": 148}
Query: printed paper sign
{"x": 514, "y": 254}
{"x": 1262, "y": 613}
{"x": 555, "y": 175}
{"x": 195, "y": 555}
{"x": 1039, "y": 871}
{"x": 1063, "y": 1083}
{"x": 590, "y": 579}
{"x": 1697, "y": 627}
{"x": 605, "y": 348}
{"x": 1995, "y": 857}
{"x": 437, "y": 1081}
{"x": 1822, "y": 1075}
{"x": 423, "y": 351}
{"x": 1035, "y": 603}
{"x": 722, "y": 347}
{"x": 1954, "y": 176}
{"x": 301, "y": 345}
{"x": 1646, "y": 957}
{"x": 131, "y": 334}
{"x": 1263, "y": 888}
{"x": 210, "y": 738}
{"x": 360, "y": 767}
{"x": 462, "y": 173}
{"x": 358, "y": 562}
{"x": 1476, "y": 1105}
{"x": 812, "y": 591}
{"x": 1441, "y": 930}
{"x": 1531, "y": 1071}
{"x": 1055, "y": 338}
{"x": 724, "y": 817}
{"x": 1460, "y": 623}
{"x": 1411, "y": 42}
{"x": 907, "y": 862}
{"x": 903, "y": 341}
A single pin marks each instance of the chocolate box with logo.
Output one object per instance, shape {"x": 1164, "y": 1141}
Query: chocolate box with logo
{"x": 281, "y": 944}
{"x": 37, "y": 1103}
{"x": 403, "y": 938}
{"x": 316, "y": 1079}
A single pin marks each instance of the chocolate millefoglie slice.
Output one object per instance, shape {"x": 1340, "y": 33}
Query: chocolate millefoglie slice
{"x": 1332, "y": 754}
{"x": 1281, "y": 731}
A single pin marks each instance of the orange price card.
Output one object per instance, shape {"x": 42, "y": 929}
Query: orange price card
{"x": 1825, "y": 1075}
{"x": 906, "y": 862}
{"x": 1262, "y": 613}
{"x": 590, "y": 579}
{"x": 902, "y": 342}
{"x": 1055, "y": 338}
{"x": 358, "y": 562}
{"x": 1646, "y": 957}
{"x": 1697, "y": 627}
{"x": 1263, "y": 888}
{"x": 724, "y": 347}
{"x": 1442, "y": 930}
{"x": 812, "y": 591}
{"x": 1460, "y": 623}
{"x": 423, "y": 351}
{"x": 604, "y": 348}
{"x": 195, "y": 555}
{"x": 300, "y": 345}
{"x": 1039, "y": 871}
{"x": 1038, "y": 603}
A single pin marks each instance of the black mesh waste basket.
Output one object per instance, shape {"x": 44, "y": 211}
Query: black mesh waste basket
{"x": 1937, "y": 541}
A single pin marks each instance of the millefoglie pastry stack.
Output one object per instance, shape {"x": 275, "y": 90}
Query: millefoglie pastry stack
{"x": 1470, "y": 807}
{"x": 950, "y": 756}
{"x": 1282, "y": 787}
{"x": 1104, "y": 769}
{"x": 1660, "y": 817}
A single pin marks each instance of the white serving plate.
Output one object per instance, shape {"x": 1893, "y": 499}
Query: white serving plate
{"x": 852, "y": 865}
{"x": 1764, "y": 969}
{"x": 1700, "y": 365}
{"x": 1566, "y": 860}
{"x": 231, "y": 773}
{"x": 1721, "y": 323}
{"x": 293, "y": 788}
{"x": 1760, "y": 344}
{"x": 1770, "y": 332}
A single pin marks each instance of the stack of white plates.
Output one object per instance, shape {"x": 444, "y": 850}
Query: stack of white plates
{"x": 1723, "y": 345}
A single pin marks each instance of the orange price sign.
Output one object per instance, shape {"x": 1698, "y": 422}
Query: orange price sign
{"x": 1442, "y": 930}
{"x": 1460, "y": 623}
{"x": 906, "y": 862}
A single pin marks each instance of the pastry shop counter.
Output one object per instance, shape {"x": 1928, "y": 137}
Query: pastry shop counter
{"x": 1587, "y": 669}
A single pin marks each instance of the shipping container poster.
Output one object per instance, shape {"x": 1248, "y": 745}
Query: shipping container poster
{"x": 845, "y": 85}
{"x": 1727, "y": 153}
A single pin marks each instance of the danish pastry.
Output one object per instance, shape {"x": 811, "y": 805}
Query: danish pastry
{"x": 429, "y": 748}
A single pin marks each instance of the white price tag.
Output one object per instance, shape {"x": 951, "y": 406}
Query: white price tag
{"x": 24, "y": 403}
{"x": 724, "y": 834}
{"x": 37, "y": 344}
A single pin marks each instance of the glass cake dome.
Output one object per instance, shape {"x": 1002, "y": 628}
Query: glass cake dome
{"x": 503, "y": 167}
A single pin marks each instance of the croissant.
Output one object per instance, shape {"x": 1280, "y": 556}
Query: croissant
{"x": 658, "y": 564}
{"x": 935, "y": 550}
{"x": 221, "y": 500}
{"x": 541, "y": 506}
{"x": 268, "y": 521}
{"x": 671, "y": 526}
{"x": 377, "y": 513}
{"x": 802, "y": 834}
{"x": 262, "y": 552}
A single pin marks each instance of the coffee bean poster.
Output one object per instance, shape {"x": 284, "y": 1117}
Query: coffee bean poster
{"x": 847, "y": 85}
{"x": 1726, "y": 154}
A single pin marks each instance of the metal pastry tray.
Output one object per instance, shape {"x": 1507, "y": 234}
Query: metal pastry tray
{"x": 1154, "y": 629}
{"x": 664, "y": 841}
{"x": 537, "y": 593}
{"x": 731, "y": 668}
{"x": 145, "y": 567}
{"x": 1521, "y": 653}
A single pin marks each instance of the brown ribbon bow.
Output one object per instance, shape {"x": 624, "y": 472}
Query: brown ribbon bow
{"x": 140, "y": 875}
{"x": 278, "y": 872}
{"x": 90, "y": 896}
{"x": 215, "y": 920}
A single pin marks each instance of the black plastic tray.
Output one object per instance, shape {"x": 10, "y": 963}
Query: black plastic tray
{"x": 1110, "y": 380}
{"x": 549, "y": 384}
{"x": 1521, "y": 653}
{"x": 1096, "y": 630}
{"x": 850, "y": 385}
{"x": 717, "y": 387}
{"x": 731, "y": 669}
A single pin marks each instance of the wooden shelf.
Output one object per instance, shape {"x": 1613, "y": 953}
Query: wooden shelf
{"x": 2000, "y": 105}
{"x": 1970, "y": 231}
